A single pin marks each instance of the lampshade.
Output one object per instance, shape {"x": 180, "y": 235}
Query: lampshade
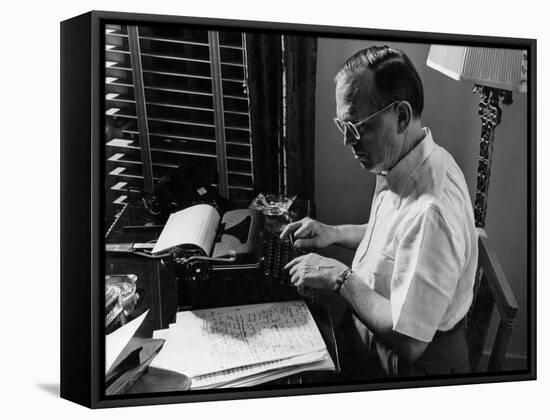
{"x": 494, "y": 67}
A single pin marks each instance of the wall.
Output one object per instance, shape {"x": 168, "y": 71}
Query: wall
{"x": 344, "y": 190}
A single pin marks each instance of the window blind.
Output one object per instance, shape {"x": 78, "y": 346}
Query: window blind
{"x": 172, "y": 94}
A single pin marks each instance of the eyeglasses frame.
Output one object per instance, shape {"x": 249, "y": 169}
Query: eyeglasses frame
{"x": 354, "y": 126}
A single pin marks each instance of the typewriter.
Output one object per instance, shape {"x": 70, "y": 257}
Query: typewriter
{"x": 227, "y": 260}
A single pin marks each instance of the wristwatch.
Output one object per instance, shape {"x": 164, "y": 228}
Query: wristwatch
{"x": 341, "y": 280}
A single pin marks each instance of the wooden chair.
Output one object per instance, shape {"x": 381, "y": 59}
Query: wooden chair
{"x": 493, "y": 290}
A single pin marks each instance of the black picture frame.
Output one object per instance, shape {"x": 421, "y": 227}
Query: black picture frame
{"x": 82, "y": 207}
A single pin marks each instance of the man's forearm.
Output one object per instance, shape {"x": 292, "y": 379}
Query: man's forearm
{"x": 374, "y": 311}
{"x": 348, "y": 236}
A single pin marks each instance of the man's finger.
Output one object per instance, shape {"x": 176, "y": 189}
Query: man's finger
{"x": 292, "y": 263}
{"x": 305, "y": 243}
{"x": 291, "y": 227}
{"x": 296, "y": 280}
{"x": 303, "y": 230}
{"x": 294, "y": 269}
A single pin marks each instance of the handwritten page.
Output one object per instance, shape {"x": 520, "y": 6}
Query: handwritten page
{"x": 194, "y": 225}
{"x": 270, "y": 370}
{"x": 245, "y": 375}
{"x": 325, "y": 364}
{"x": 212, "y": 340}
{"x": 242, "y": 345}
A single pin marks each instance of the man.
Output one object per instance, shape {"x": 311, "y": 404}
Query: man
{"x": 410, "y": 284}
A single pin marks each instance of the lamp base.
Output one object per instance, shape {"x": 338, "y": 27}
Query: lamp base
{"x": 490, "y": 114}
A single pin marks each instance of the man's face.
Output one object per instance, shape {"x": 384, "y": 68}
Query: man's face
{"x": 379, "y": 144}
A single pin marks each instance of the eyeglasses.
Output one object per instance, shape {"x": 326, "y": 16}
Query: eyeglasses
{"x": 344, "y": 126}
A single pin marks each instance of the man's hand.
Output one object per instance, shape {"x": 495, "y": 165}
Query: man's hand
{"x": 314, "y": 271}
{"x": 309, "y": 234}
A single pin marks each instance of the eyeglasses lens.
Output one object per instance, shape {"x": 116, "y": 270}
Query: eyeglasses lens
{"x": 345, "y": 127}
{"x": 341, "y": 126}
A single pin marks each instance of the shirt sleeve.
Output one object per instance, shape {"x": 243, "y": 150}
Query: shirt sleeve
{"x": 429, "y": 260}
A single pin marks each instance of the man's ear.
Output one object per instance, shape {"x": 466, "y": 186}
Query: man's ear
{"x": 404, "y": 116}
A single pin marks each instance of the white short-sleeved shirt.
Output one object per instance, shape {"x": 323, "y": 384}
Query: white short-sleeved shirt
{"x": 420, "y": 246}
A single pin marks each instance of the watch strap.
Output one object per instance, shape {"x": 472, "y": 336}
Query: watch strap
{"x": 341, "y": 280}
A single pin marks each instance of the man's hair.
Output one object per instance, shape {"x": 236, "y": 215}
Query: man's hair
{"x": 395, "y": 78}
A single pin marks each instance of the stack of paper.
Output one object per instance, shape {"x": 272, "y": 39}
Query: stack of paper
{"x": 242, "y": 345}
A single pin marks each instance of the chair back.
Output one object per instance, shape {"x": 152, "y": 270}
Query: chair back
{"x": 491, "y": 290}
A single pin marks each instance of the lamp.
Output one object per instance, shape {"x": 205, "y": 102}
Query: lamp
{"x": 495, "y": 73}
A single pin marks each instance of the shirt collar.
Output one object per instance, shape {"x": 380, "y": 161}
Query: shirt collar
{"x": 397, "y": 177}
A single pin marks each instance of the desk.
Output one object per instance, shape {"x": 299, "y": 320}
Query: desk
{"x": 158, "y": 291}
